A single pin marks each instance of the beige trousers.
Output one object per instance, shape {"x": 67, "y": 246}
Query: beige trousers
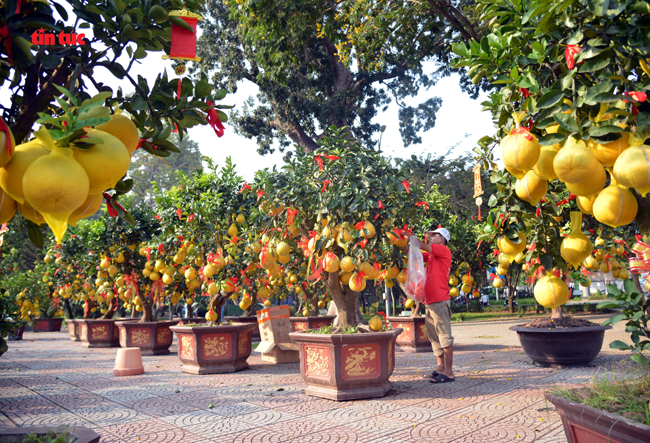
{"x": 438, "y": 323}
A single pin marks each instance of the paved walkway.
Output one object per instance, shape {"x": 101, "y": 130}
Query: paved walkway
{"x": 48, "y": 380}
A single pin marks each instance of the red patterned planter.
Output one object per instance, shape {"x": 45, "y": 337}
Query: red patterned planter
{"x": 415, "y": 337}
{"x": 214, "y": 349}
{"x": 347, "y": 366}
{"x": 249, "y": 320}
{"x": 304, "y": 323}
{"x": 186, "y": 320}
{"x": 47, "y": 324}
{"x": 17, "y": 334}
{"x": 73, "y": 329}
{"x": 153, "y": 338}
{"x": 98, "y": 333}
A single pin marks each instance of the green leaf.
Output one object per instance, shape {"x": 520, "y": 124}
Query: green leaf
{"x": 595, "y": 90}
{"x": 138, "y": 103}
{"x": 35, "y": 236}
{"x": 640, "y": 359}
{"x": 551, "y": 139}
{"x": 567, "y": 122}
{"x": 460, "y": 49}
{"x": 598, "y": 7}
{"x": 174, "y": 20}
{"x": 607, "y": 305}
{"x": 615, "y": 319}
{"x": 220, "y": 94}
{"x": 629, "y": 287}
{"x": 549, "y": 99}
{"x": 617, "y": 344}
{"x": 599, "y": 131}
{"x": 594, "y": 64}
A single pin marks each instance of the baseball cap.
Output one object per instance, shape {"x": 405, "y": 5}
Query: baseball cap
{"x": 442, "y": 231}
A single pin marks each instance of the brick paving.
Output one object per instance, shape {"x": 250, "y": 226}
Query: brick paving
{"x": 47, "y": 380}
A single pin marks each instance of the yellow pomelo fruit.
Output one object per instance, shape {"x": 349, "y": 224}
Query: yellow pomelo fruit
{"x": 586, "y": 204}
{"x": 575, "y": 162}
{"x": 393, "y": 271}
{"x": 615, "y": 206}
{"x": 7, "y": 206}
{"x": 30, "y": 213}
{"x": 576, "y": 246}
{"x": 284, "y": 259}
{"x": 11, "y": 175}
{"x": 590, "y": 263}
{"x": 514, "y": 171}
{"x": 453, "y": 281}
{"x": 357, "y": 283}
{"x": 56, "y": 185}
{"x": 344, "y": 277}
{"x": 503, "y": 261}
{"x": 347, "y": 264}
{"x": 520, "y": 153}
{"x": 105, "y": 163}
{"x": 409, "y": 303}
{"x": 282, "y": 249}
{"x": 632, "y": 169}
{"x": 466, "y": 288}
{"x": 592, "y": 185}
{"x": 608, "y": 153}
{"x": 232, "y": 230}
{"x": 401, "y": 277}
{"x": 122, "y": 128}
{"x": 531, "y": 188}
{"x": 367, "y": 226}
{"x": 544, "y": 166}
{"x": 376, "y": 323}
{"x": 511, "y": 249}
{"x": 331, "y": 262}
{"x": 501, "y": 270}
{"x": 453, "y": 292}
{"x": 88, "y": 208}
{"x": 366, "y": 268}
{"x": 343, "y": 237}
{"x": 551, "y": 292}
{"x": 520, "y": 257}
{"x": 497, "y": 283}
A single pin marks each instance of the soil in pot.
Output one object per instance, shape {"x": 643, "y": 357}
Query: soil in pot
{"x": 562, "y": 322}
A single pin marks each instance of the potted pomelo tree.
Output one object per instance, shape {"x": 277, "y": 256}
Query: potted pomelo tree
{"x": 351, "y": 209}
{"x": 571, "y": 137}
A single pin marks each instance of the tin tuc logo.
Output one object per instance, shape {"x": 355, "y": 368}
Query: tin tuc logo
{"x": 40, "y": 37}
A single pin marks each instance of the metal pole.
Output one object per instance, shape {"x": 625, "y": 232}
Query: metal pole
{"x": 386, "y": 297}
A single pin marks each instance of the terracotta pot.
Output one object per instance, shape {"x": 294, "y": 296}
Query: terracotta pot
{"x": 98, "y": 333}
{"x": 304, "y": 323}
{"x": 186, "y": 320}
{"x": 153, "y": 338}
{"x": 252, "y": 319}
{"x": 347, "y": 366}
{"x": 78, "y": 434}
{"x": 214, "y": 349}
{"x": 73, "y": 329}
{"x": 583, "y": 424}
{"x": 415, "y": 337}
{"x": 561, "y": 346}
{"x": 17, "y": 334}
{"x": 47, "y": 324}
{"x": 128, "y": 361}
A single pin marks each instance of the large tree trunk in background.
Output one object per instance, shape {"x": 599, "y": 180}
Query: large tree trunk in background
{"x": 249, "y": 311}
{"x": 68, "y": 308}
{"x": 190, "y": 310}
{"x": 111, "y": 309}
{"x": 416, "y": 309}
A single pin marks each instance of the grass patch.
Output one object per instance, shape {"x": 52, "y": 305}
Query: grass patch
{"x": 51, "y": 437}
{"x": 630, "y": 399}
{"x": 598, "y": 296}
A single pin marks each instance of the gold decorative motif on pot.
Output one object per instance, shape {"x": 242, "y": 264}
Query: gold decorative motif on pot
{"x": 355, "y": 364}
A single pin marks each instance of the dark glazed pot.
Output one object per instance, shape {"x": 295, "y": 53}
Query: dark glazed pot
{"x": 214, "y": 349}
{"x": 299, "y": 324}
{"x": 561, "y": 346}
{"x": 347, "y": 366}
{"x": 583, "y": 424}
{"x": 415, "y": 337}
{"x": 17, "y": 334}
{"x": 153, "y": 338}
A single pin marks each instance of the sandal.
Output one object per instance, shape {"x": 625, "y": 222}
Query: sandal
{"x": 433, "y": 375}
{"x": 442, "y": 378}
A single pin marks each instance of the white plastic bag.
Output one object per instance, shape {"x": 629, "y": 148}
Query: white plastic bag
{"x": 416, "y": 275}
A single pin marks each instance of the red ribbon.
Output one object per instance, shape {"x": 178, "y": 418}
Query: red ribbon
{"x": 178, "y": 212}
{"x": 178, "y": 90}
{"x": 319, "y": 160}
{"x": 259, "y": 193}
{"x": 407, "y": 186}
{"x": 4, "y": 128}
{"x": 423, "y": 204}
{"x": 190, "y": 218}
{"x": 161, "y": 248}
{"x": 331, "y": 157}
{"x": 291, "y": 214}
{"x": 213, "y": 120}
{"x": 523, "y": 131}
{"x": 246, "y": 186}
{"x": 109, "y": 205}
{"x": 360, "y": 225}
{"x": 570, "y": 53}
{"x": 525, "y": 92}
{"x": 325, "y": 184}
{"x": 6, "y": 36}
{"x": 380, "y": 205}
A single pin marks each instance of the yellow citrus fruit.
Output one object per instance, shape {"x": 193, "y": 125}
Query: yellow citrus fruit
{"x": 509, "y": 248}
{"x": 105, "y": 163}
{"x": 576, "y": 246}
{"x": 56, "y": 185}
{"x": 531, "y": 188}
{"x": 453, "y": 292}
{"x": 575, "y": 163}
{"x": 520, "y": 257}
{"x": 520, "y": 153}
{"x": 8, "y": 206}
{"x": 367, "y": 226}
{"x": 497, "y": 283}
{"x": 347, "y": 264}
{"x": 122, "y": 128}
{"x": 87, "y": 209}
{"x": 343, "y": 237}
{"x": 615, "y": 206}
{"x": 357, "y": 283}
{"x": 409, "y": 304}
{"x": 282, "y": 249}
{"x": 401, "y": 277}
{"x": 607, "y": 153}
{"x": 551, "y": 292}
{"x": 501, "y": 270}
{"x": 453, "y": 281}
{"x": 11, "y": 175}
{"x": 586, "y": 204}
{"x": 632, "y": 169}
{"x": 331, "y": 262}
{"x": 590, "y": 263}
{"x": 366, "y": 268}
{"x": 344, "y": 277}
{"x": 393, "y": 271}
{"x": 544, "y": 166}
{"x": 466, "y": 288}
{"x": 376, "y": 323}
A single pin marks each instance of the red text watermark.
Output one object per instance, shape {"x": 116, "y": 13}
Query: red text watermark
{"x": 40, "y": 37}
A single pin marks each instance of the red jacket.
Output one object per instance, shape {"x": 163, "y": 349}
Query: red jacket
{"x": 438, "y": 263}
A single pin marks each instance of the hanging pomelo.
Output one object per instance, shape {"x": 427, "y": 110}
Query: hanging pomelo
{"x": 574, "y": 162}
{"x": 551, "y": 292}
{"x": 586, "y": 204}
{"x": 88, "y": 208}
{"x": 11, "y": 175}
{"x": 590, "y": 263}
{"x": 331, "y": 262}
{"x": 56, "y": 185}
{"x": 105, "y": 163}
{"x": 576, "y": 246}
{"x": 30, "y": 213}
{"x": 593, "y": 185}
{"x": 520, "y": 151}
{"x": 615, "y": 205}
{"x": 511, "y": 249}
{"x": 544, "y": 166}
{"x": 607, "y": 153}
{"x": 7, "y": 144}
{"x": 531, "y": 188}
{"x": 122, "y": 128}
{"x": 357, "y": 283}
{"x": 347, "y": 264}
{"x": 632, "y": 169}
{"x": 7, "y": 207}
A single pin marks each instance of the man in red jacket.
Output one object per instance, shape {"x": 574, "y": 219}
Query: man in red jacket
{"x": 437, "y": 257}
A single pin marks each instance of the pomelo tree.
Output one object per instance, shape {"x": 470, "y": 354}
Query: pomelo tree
{"x": 352, "y": 208}
{"x": 570, "y": 107}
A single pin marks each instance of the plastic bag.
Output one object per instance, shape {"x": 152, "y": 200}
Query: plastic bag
{"x": 416, "y": 275}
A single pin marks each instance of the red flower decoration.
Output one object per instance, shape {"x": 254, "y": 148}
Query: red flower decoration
{"x": 570, "y": 54}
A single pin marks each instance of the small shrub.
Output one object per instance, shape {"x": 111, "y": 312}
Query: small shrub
{"x": 521, "y": 311}
{"x": 458, "y": 317}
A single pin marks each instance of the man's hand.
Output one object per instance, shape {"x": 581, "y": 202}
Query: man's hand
{"x": 425, "y": 247}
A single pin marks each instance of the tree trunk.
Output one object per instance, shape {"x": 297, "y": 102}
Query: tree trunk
{"x": 112, "y": 307}
{"x": 416, "y": 309}
{"x": 557, "y": 312}
{"x": 344, "y": 299}
{"x": 87, "y": 308}
{"x": 249, "y": 311}
{"x": 147, "y": 311}
{"x": 68, "y": 308}
{"x": 190, "y": 310}
{"x": 216, "y": 303}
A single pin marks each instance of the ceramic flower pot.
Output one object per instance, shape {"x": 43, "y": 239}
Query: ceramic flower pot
{"x": 98, "y": 333}
{"x": 47, "y": 324}
{"x": 250, "y": 320}
{"x": 153, "y": 338}
{"x": 414, "y": 338}
{"x": 186, "y": 320}
{"x": 304, "y": 323}
{"x": 128, "y": 361}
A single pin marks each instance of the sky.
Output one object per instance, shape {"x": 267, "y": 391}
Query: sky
{"x": 459, "y": 120}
